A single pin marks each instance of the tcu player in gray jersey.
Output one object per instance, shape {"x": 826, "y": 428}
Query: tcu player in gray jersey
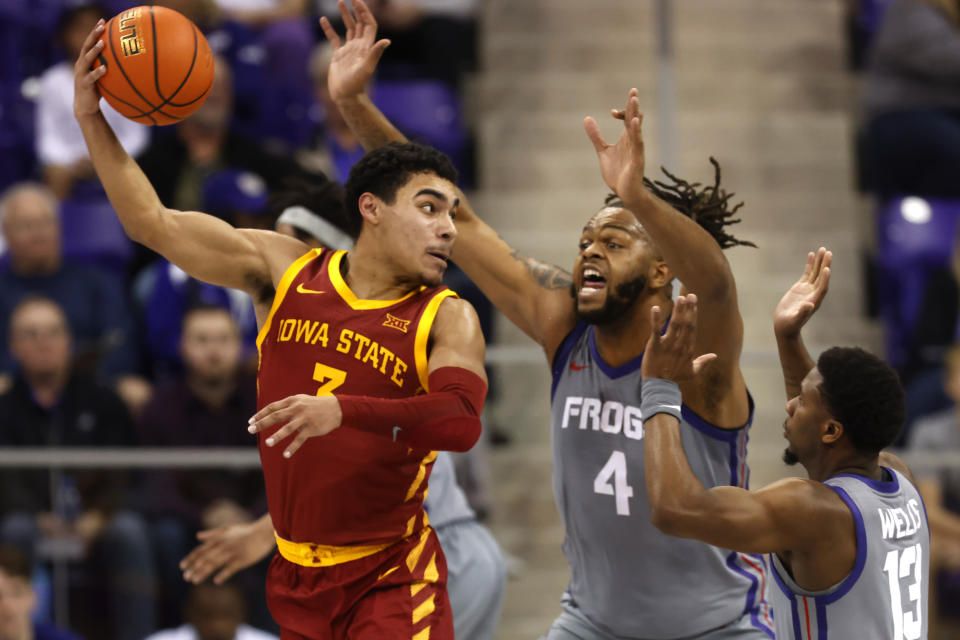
{"x": 628, "y": 580}
{"x": 850, "y": 545}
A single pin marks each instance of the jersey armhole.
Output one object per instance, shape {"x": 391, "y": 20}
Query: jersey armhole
{"x": 422, "y": 339}
{"x": 563, "y": 354}
{"x": 861, "y": 560}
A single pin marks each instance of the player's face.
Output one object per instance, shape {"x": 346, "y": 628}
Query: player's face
{"x": 420, "y": 225}
{"x": 610, "y": 272}
{"x": 806, "y": 414}
{"x": 210, "y": 345}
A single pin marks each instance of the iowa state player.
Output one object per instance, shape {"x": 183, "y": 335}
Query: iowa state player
{"x": 364, "y": 349}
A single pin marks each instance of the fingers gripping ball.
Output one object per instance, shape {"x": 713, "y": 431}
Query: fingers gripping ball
{"x": 159, "y": 65}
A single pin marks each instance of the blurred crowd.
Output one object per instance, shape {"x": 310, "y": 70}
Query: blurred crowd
{"x": 908, "y": 151}
{"x": 108, "y": 345}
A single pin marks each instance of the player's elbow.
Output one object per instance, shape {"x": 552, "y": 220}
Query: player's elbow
{"x": 466, "y": 435}
{"x": 148, "y": 227}
{"x": 665, "y": 518}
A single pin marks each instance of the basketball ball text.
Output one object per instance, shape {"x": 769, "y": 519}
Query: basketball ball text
{"x": 131, "y": 42}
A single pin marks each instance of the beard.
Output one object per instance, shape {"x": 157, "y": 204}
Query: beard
{"x": 789, "y": 457}
{"x": 617, "y": 303}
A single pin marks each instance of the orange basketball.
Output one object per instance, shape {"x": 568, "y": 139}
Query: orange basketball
{"x": 159, "y": 65}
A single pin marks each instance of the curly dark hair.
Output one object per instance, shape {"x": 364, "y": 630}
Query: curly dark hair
{"x": 322, "y": 196}
{"x": 385, "y": 169}
{"x": 708, "y": 206}
{"x": 864, "y": 394}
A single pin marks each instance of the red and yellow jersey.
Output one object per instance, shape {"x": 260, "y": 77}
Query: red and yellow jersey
{"x": 349, "y": 487}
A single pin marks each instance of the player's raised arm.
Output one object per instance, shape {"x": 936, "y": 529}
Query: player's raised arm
{"x": 204, "y": 246}
{"x": 534, "y": 295}
{"x": 788, "y": 515}
{"x": 693, "y": 255}
{"x": 793, "y": 311}
{"x": 352, "y": 66}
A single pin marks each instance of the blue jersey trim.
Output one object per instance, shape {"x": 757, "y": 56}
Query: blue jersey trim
{"x": 754, "y": 582}
{"x": 883, "y": 486}
{"x": 861, "y": 530}
{"x": 797, "y": 633}
{"x": 611, "y": 371}
{"x": 821, "y": 620}
{"x": 563, "y": 354}
{"x": 726, "y": 435}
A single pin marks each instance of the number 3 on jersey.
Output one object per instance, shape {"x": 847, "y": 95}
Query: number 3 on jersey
{"x": 616, "y": 467}
{"x": 328, "y": 377}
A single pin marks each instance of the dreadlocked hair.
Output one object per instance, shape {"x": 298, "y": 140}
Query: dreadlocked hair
{"x": 707, "y": 206}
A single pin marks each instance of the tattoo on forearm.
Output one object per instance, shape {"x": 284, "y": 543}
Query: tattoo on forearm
{"x": 547, "y": 276}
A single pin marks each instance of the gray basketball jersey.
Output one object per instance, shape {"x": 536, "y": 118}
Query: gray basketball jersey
{"x": 885, "y": 595}
{"x": 626, "y": 576}
{"x": 446, "y": 502}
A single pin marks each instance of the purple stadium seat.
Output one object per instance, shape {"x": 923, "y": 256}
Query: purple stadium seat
{"x": 93, "y": 234}
{"x": 425, "y": 110}
{"x": 914, "y": 237}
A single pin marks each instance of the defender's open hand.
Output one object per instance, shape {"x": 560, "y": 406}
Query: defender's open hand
{"x": 354, "y": 60}
{"x": 800, "y": 302}
{"x": 670, "y": 355}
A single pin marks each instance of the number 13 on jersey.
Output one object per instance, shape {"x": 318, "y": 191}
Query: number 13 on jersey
{"x": 615, "y": 468}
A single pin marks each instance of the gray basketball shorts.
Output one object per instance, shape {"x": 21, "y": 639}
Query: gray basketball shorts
{"x": 476, "y": 578}
{"x": 572, "y": 624}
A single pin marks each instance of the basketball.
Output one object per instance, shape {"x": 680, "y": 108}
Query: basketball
{"x": 159, "y": 65}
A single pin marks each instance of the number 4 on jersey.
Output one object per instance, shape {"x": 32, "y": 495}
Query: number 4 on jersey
{"x": 622, "y": 492}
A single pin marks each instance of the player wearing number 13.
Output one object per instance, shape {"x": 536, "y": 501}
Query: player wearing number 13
{"x": 362, "y": 348}
{"x": 850, "y": 545}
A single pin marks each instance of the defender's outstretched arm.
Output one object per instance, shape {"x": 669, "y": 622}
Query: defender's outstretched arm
{"x": 534, "y": 295}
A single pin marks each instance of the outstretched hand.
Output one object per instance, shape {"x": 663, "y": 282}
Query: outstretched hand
{"x": 227, "y": 550}
{"x": 306, "y": 416}
{"x": 670, "y": 355}
{"x": 86, "y": 95}
{"x": 622, "y": 164}
{"x": 800, "y": 302}
{"x": 354, "y": 60}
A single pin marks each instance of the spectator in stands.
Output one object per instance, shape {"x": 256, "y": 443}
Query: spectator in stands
{"x": 214, "y": 612}
{"x": 59, "y": 143}
{"x": 940, "y": 432}
{"x": 50, "y": 404}
{"x": 912, "y": 100}
{"x": 18, "y": 601}
{"x": 208, "y": 407}
{"x": 95, "y": 307}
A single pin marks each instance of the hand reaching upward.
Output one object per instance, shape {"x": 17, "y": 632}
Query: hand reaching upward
{"x": 355, "y": 59}
{"x": 622, "y": 164}
{"x": 800, "y": 302}
{"x": 670, "y": 355}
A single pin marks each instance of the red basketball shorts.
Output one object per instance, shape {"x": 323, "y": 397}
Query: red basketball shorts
{"x": 398, "y": 593}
